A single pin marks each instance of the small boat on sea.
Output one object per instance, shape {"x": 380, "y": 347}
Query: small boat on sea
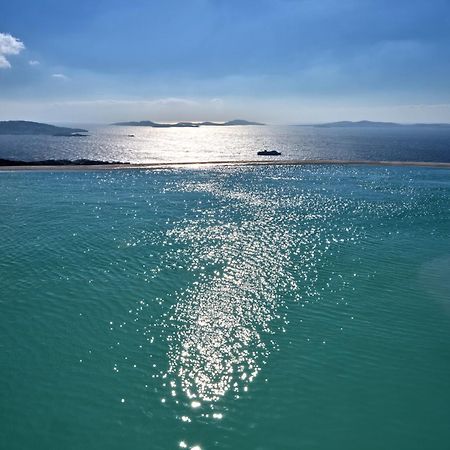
{"x": 131, "y": 135}
{"x": 268, "y": 153}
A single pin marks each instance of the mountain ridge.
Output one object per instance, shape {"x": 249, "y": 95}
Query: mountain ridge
{"x": 149, "y": 123}
{"x": 373, "y": 124}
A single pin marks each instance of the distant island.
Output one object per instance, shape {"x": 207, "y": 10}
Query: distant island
{"x": 368, "y": 123}
{"x": 23, "y": 127}
{"x": 149, "y": 123}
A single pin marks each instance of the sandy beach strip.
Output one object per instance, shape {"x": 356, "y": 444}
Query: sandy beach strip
{"x": 194, "y": 164}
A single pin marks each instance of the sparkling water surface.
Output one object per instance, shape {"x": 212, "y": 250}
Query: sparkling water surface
{"x": 226, "y": 308}
{"x": 159, "y": 145}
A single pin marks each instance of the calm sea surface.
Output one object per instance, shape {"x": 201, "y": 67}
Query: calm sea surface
{"x": 232, "y": 308}
{"x": 235, "y": 143}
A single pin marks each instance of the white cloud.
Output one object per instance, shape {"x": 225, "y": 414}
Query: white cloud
{"x": 4, "y": 64}
{"x": 9, "y": 45}
{"x": 33, "y": 62}
{"x": 60, "y": 76}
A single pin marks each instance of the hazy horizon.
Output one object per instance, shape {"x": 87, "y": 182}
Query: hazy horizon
{"x": 272, "y": 61}
{"x": 101, "y": 124}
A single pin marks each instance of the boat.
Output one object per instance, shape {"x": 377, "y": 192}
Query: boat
{"x": 268, "y": 153}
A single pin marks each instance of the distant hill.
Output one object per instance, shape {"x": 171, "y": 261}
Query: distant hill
{"x": 149, "y": 123}
{"x": 230, "y": 123}
{"x": 368, "y": 123}
{"x": 35, "y": 128}
{"x": 241, "y": 122}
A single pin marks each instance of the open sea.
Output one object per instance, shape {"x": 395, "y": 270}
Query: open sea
{"x": 265, "y": 307}
{"x": 160, "y": 145}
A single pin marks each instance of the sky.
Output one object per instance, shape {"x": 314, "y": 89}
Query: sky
{"x": 277, "y": 61}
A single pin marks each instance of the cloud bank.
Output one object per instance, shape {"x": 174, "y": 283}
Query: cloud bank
{"x": 9, "y": 45}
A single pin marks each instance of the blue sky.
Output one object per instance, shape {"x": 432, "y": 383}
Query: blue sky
{"x": 281, "y": 61}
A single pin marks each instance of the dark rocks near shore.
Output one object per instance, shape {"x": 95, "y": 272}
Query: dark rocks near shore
{"x": 268, "y": 153}
{"x": 59, "y": 162}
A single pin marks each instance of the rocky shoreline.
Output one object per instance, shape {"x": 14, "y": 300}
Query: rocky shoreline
{"x": 59, "y": 162}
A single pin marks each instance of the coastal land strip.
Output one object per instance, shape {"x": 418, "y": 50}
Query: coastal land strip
{"x": 193, "y": 164}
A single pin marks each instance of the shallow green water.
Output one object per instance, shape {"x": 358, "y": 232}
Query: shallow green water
{"x": 239, "y": 308}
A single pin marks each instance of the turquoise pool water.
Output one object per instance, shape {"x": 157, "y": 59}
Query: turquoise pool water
{"x": 226, "y": 308}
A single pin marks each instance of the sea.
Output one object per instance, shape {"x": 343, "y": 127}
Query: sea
{"x": 226, "y": 307}
{"x": 234, "y": 143}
